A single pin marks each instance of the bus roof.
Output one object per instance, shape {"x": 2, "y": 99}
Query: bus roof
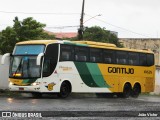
{"x": 83, "y": 43}
{"x": 37, "y": 42}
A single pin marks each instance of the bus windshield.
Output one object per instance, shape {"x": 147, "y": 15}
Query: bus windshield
{"x": 24, "y": 67}
{"x": 28, "y": 49}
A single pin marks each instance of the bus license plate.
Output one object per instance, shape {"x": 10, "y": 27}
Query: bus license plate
{"x": 21, "y": 88}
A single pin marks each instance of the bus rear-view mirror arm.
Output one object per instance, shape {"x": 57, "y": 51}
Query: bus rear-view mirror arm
{"x": 4, "y": 58}
{"x": 38, "y": 62}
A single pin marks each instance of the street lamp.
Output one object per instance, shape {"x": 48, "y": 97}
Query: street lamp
{"x": 81, "y": 29}
{"x": 91, "y": 18}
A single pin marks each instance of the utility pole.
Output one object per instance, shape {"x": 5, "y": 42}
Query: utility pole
{"x": 80, "y": 30}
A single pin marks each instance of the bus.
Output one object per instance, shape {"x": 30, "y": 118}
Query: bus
{"x": 63, "y": 67}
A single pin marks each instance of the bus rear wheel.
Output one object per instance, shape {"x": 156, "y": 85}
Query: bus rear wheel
{"x": 65, "y": 90}
{"x": 126, "y": 91}
{"x": 136, "y": 91}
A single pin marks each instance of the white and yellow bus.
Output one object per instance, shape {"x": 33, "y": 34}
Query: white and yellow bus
{"x": 64, "y": 67}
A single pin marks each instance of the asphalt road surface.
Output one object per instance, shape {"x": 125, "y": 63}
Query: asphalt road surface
{"x": 80, "y": 106}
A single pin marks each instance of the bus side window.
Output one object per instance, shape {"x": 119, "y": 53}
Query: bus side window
{"x": 92, "y": 59}
{"x": 143, "y": 59}
{"x": 95, "y": 55}
{"x": 76, "y": 58}
{"x": 108, "y": 56}
{"x": 130, "y": 62}
{"x": 150, "y": 59}
{"x": 66, "y": 53}
{"x": 122, "y": 57}
{"x": 65, "y": 56}
{"x": 107, "y": 60}
{"x": 51, "y": 57}
{"x": 81, "y": 54}
{"x": 46, "y": 67}
{"x": 133, "y": 58}
{"x": 83, "y": 58}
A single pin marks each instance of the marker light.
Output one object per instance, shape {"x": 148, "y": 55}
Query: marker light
{"x": 17, "y": 74}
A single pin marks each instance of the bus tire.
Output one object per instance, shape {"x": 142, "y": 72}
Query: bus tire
{"x": 36, "y": 95}
{"x": 126, "y": 90}
{"x": 136, "y": 90}
{"x": 65, "y": 90}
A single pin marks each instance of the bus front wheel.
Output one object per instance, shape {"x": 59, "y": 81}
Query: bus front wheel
{"x": 65, "y": 90}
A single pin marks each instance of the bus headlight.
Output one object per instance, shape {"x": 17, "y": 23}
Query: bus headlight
{"x": 35, "y": 83}
{"x": 10, "y": 83}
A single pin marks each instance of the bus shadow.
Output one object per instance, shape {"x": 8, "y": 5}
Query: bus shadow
{"x": 106, "y": 95}
{"x": 72, "y": 96}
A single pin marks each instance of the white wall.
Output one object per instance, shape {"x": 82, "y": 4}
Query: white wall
{"x": 4, "y": 72}
{"x": 157, "y": 81}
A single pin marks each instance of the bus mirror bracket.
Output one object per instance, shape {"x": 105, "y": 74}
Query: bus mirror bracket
{"x": 38, "y": 62}
{"x": 4, "y": 58}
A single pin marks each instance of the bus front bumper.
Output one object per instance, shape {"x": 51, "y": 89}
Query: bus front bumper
{"x": 24, "y": 88}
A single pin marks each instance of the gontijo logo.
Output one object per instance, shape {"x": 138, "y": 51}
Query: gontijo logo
{"x": 120, "y": 70}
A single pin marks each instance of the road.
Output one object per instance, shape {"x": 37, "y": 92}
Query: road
{"x": 84, "y": 105}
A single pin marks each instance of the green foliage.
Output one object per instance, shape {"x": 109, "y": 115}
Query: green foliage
{"x": 28, "y": 29}
{"x": 96, "y": 34}
{"x": 99, "y": 34}
{"x": 7, "y": 38}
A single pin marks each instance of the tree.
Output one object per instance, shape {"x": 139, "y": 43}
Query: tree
{"x": 28, "y": 29}
{"x": 7, "y": 40}
{"x": 99, "y": 34}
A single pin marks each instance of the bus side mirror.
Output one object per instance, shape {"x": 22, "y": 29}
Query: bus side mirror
{"x": 38, "y": 62}
{"x": 4, "y": 57}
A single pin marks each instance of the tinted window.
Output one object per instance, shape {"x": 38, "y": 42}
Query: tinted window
{"x": 150, "y": 59}
{"x": 109, "y": 56}
{"x": 66, "y": 53}
{"x": 143, "y": 59}
{"x": 81, "y": 54}
{"x": 50, "y": 60}
{"x": 133, "y": 58}
{"x": 95, "y": 55}
{"x": 121, "y": 57}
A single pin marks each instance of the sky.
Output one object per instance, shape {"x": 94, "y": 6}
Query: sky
{"x": 130, "y": 18}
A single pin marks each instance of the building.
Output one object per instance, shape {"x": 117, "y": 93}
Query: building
{"x": 63, "y": 35}
{"x": 143, "y": 43}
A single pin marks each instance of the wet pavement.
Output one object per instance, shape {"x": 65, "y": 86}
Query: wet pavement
{"x": 83, "y": 105}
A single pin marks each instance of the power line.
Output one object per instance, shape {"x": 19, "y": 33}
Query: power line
{"x": 120, "y": 27}
{"x": 9, "y": 12}
{"x": 61, "y": 27}
{"x": 51, "y": 27}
